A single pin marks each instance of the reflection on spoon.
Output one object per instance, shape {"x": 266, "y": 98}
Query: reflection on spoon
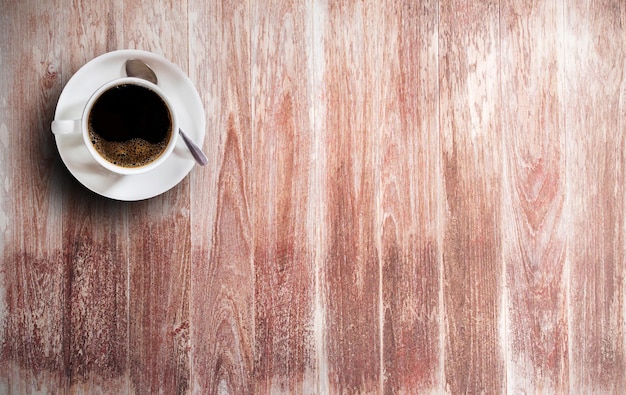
{"x": 137, "y": 68}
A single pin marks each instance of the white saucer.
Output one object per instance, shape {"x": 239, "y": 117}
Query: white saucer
{"x": 188, "y": 107}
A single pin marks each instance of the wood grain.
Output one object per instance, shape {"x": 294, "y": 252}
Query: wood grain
{"x": 408, "y": 169}
{"x": 222, "y": 296}
{"x": 402, "y": 197}
{"x": 534, "y": 235}
{"x": 35, "y": 287}
{"x": 284, "y": 249}
{"x": 96, "y": 253}
{"x": 350, "y": 272}
{"x": 595, "y": 112}
{"x": 470, "y": 129}
{"x": 159, "y": 281}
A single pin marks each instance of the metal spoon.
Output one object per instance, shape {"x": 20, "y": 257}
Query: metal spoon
{"x": 137, "y": 68}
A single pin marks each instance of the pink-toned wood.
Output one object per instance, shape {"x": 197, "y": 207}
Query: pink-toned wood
{"x": 409, "y": 185}
{"x": 222, "y": 298}
{"x": 350, "y": 271}
{"x": 402, "y": 197}
{"x": 534, "y": 231}
{"x": 159, "y": 271}
{"x": 160, "y": 236}
{"x": 90, "y": 29}
{"x": 96, "y": 253}
{"x": 283, "y": 204}
{"x": 470, "y": 128}
{"x": 33, "y": 278}
{"x": 595, "y": 93}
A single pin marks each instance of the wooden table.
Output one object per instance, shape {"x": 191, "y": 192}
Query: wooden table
{"x": 402, "y": 197}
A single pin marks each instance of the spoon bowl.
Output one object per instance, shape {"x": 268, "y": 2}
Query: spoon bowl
{"x": 139, "y": 69}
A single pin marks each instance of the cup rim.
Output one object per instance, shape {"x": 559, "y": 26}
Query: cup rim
{"x": 122, "y": 169}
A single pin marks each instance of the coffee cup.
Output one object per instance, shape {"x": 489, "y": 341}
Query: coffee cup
{"x": 128, "y": 125}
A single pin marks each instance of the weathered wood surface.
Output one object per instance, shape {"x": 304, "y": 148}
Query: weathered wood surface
{"x": 534, "y": 235}
{"x": 402, "y": 197}
{"x": 471, "y": 216}
{"x": 595, "y": 108}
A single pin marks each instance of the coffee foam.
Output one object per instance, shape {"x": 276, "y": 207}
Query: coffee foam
{"x": 135, "y": 152}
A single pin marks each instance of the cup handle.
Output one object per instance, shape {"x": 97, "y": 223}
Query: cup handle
{"x": 66, "y": 126}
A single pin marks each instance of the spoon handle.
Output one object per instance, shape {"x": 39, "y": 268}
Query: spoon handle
{"x": 196, "y": 152}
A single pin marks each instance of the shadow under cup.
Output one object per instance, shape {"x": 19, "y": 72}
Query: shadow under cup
{"x": 129, "y": 126}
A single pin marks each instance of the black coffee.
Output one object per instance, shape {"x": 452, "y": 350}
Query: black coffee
{"x": 130, "y": 125}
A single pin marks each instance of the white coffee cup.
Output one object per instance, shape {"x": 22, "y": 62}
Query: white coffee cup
{"x": 76, "y": 126}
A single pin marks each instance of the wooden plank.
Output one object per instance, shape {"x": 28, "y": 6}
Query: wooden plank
{"x": 346, "y": 100}
{"x": 160, "y": 235}
{"x": 469, "y": 94}
{"x": 95, "y": 236}
{"x": 222, "y": 297}
{"x": 408, "y": 190}
{"x": 595, "y": 111}
{"x": 91, "y": 29}
{"x": 96, "y": 252}
{"x": 534, "y": 235}
{"x": 159, "y": 294}
{"x": 33, "y": 278}
{"x": 284, "y": 255}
